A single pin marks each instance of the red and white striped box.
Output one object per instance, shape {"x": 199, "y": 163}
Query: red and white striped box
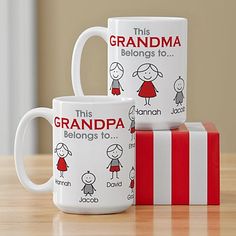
{"x": 179, "y": 166}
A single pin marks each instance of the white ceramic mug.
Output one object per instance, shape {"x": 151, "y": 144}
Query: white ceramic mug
{"x": 93, "y": 153}
{"x": 147, "y": 60}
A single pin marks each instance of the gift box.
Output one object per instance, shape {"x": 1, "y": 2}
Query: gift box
{"x": 180, "y": 166}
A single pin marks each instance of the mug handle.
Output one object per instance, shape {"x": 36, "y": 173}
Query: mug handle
{"x": 18, "y": 149}
{"x": 77, "y": 52}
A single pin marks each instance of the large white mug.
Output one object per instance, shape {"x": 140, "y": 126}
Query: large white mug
{"x": 147, "y": 60}
{"x": 93, "y": 153}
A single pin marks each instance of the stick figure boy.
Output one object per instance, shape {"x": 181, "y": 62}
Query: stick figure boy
{"x": 179, "y": 87}
{"x": 116, "y": 73}
{"x": 88, "y": 179}
{"x": 114, "y": 152}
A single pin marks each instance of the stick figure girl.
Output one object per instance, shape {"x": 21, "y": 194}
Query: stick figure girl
{"x": 131, "y": 177}
{"x": 114, "y": 152}
{"x": 132, "y": 124}
{"x": 147, "y": 72}
{"x": 116, "y": 73}
{"x": 62, "y": 152}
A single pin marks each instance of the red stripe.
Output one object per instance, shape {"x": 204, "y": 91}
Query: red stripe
{"x": 210, "y": 127}
{"x": 213, "y": 163}
{"x": 181, "y": 128}
{"x": 180, "y": 166}
{"x": 144, "y": 167}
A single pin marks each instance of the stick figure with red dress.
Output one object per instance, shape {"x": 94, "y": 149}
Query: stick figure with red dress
{"x": 147, "y": 72}
{"x": 62, "y": 152}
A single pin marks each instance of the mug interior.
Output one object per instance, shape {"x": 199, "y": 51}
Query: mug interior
{"x": 146, "y": 18}
{"x": 93, "y": 99}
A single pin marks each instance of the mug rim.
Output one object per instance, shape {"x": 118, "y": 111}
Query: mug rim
{"x": 147, "y": 18}
{"x": 93, "y": 99}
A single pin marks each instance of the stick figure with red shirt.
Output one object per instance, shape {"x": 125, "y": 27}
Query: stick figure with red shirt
{"x": 114, "y": 152}
{"x": 62, "y": 152}
{"x": 116, "y": 73}
{"x": 131, "y": 177}
{"x": 132, "y": 124}
{"x": 147, "y": 72}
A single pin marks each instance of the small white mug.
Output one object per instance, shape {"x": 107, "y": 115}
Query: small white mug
{"x": 93, "y": 153}
{"x": 147, "y": 60}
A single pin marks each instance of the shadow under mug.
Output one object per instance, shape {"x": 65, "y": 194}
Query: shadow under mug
{"x": 93, "y": 153}
{"x": 147, "y": 60}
